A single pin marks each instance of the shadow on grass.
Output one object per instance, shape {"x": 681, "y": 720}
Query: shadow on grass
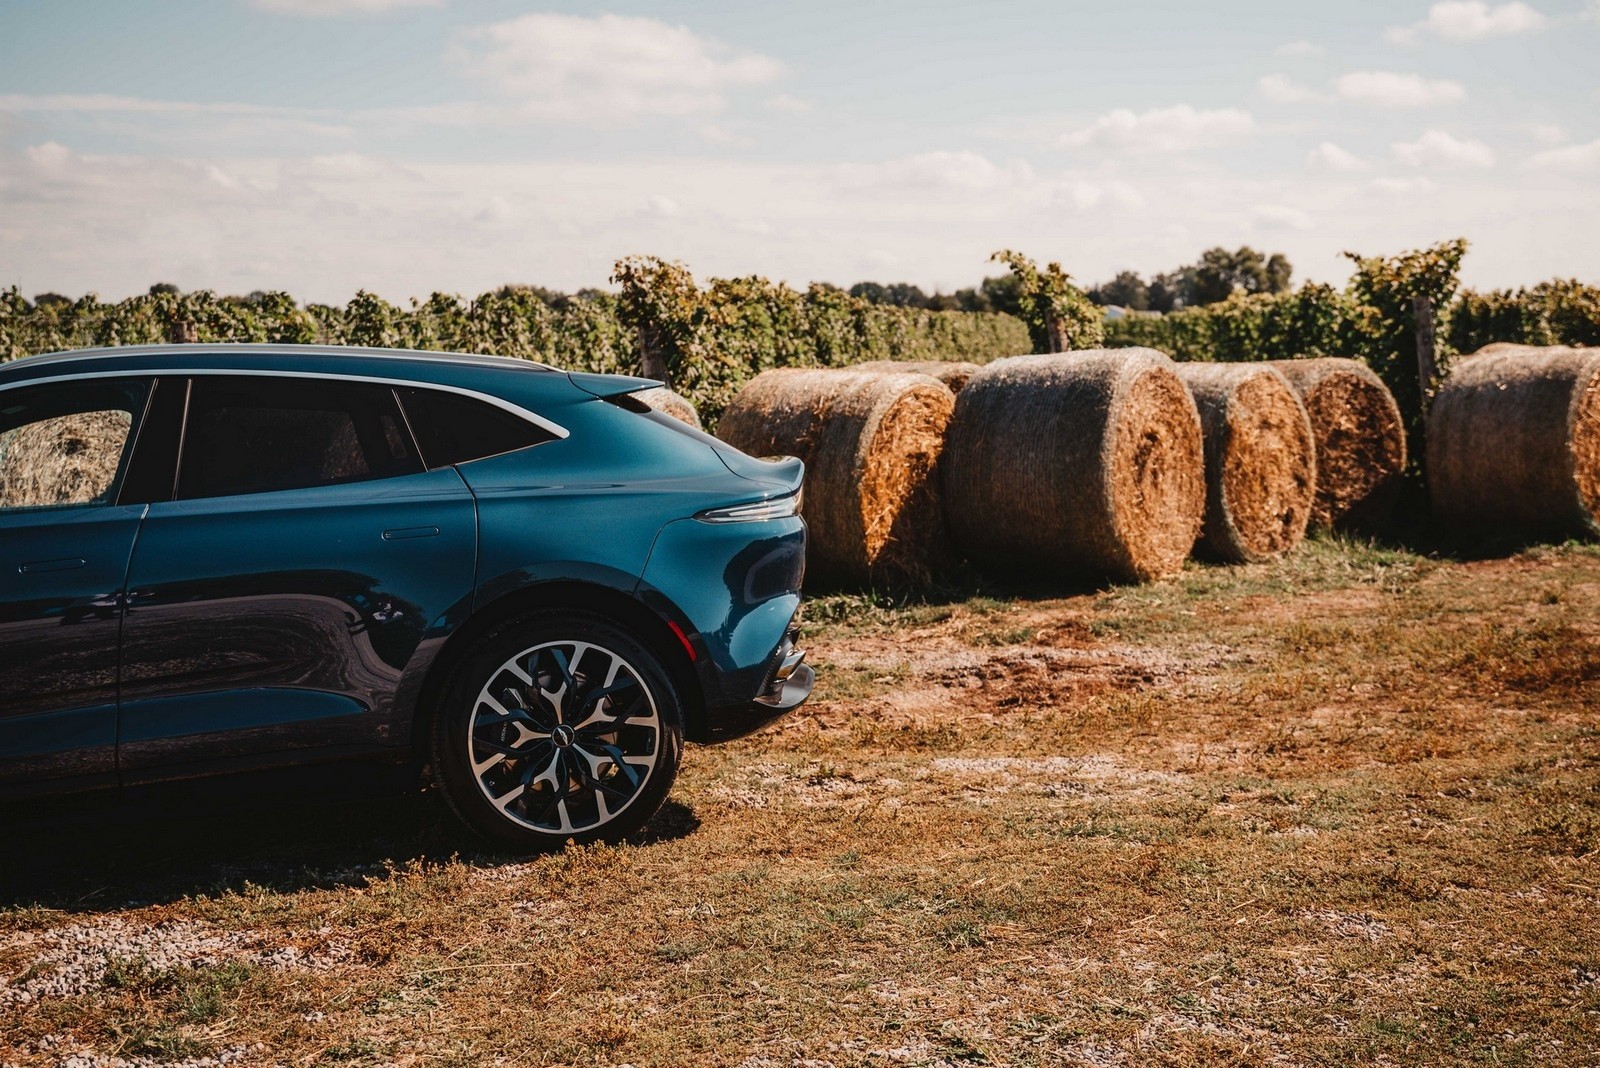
{"x": 1411, "y": 532}
{"x": 91, "y": 856}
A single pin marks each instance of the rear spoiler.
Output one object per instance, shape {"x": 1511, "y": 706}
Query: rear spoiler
{"x": 608, "y": 386}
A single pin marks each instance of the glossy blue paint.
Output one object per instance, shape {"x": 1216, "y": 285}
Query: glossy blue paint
{"x": 296, "y": 590}
{"x": 61, "y": 578}
{"x": 741, "y": 617}
{"x": 299, "y": 625}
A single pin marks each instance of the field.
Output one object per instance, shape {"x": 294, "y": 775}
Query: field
{"x": 1340, "y": 809}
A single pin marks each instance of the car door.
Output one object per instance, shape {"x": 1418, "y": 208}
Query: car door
{"x": 64, "y": 548}
{"x": 304, "y": 560}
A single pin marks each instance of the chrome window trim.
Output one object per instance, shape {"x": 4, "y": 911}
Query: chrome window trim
{"x": 410, "y": 383}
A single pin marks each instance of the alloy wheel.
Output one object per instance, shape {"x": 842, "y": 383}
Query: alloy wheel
{"x": 564, "y": 737}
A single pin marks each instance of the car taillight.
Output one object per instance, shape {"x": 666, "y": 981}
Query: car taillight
{"x": 757, "y": 511}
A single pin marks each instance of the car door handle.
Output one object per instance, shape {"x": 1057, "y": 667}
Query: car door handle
{"x": 403, "y": 533}
{"x": 66, "y": 563}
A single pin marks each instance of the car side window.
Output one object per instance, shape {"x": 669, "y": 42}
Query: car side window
{"x": 452, "y": 429}
{"x": 65, "y": 444}
{"x": 247, "y": 434}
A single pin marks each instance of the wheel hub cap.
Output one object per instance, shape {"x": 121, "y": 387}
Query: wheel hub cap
{"x": 564, "y": 737}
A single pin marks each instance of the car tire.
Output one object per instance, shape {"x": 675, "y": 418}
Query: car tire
{"x": 560, "y": 727}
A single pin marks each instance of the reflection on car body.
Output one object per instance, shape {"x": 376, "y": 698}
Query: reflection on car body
{"x": 278, "y": 556}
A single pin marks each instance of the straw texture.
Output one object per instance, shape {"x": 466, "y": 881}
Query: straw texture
{"x": 69, "y": 459}
{"x": 1260, "y": 460}
{"x": 953, "y": 373}
{"x": 1361, "y": 441}
{"x": 676, "y": 405}
{"x": 871, "y": 443}
{"x": 1514, "y": 440}
{"x": 1083, "y": 463}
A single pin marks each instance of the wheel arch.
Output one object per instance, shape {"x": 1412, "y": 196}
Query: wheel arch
{"x": 655, "y": 631}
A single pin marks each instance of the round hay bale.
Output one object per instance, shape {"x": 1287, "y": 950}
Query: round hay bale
{"x": 953, "y": 373}
{"x": 1361, "y": 440}
{"x": 667, "y": 402}
{"x": 1080, "y": 462}
{"x": 871, "y": 444}
{"x": 1261, "y": 474}
{"x": 1514, "y": 440}
{"x": 67, "y": 459}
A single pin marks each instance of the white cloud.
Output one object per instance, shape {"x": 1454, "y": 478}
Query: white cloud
{"x": 336, "y": 122}
{"x": 323, "y": 228}
{"x": 1174, "y": 129}
{"x": 1404, "y": 186}
{"x": 1574, "y": 158}
{"x": 1470, "y": 20}
{"x": 50, "y": 156}
{"x": 1438, "y": 150}
{"x": 325, "y": 8}
{"x": 1285, "y": 90}
{"x": 611, "y": 67}
{"x": 717, "y": 135}
{"x": 110, "y": 103}
{"x": 1085, "y": 195}
{"x": 792, "y": 104}
{"x": 1297, "y": 49}
{"x": 1385, "y": 88}
{"x": 1330, "y": 157}
{"x": 935, "y": 170}
{"x": 1282, "y": 217}
{"x": 665, "y": 207}
{"x": 1548, "y": 133}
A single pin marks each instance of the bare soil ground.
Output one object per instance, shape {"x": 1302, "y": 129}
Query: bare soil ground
{"x": 1343, "y": 809}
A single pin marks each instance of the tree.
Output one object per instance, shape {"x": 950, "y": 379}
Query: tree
{"x": 1220, "y": 273}
{"x": 662, "y": 304}
{"x": 895, "y": 294}
{"x": 164, "y": 289}
{"x": 872, "y": 292}
{"x": 1126, "y": 290}
{"x": 1002, "y": 293}
{"x": 50, "y": 300}
{"x": 1167, "y": 292}
{"x": 1386, "y": 291}
{"x": 1279, "y": 272}
{"x": 370, "y": 320}
{"x": 1058, "y": 315}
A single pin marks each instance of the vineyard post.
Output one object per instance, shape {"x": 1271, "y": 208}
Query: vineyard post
{"x": 1055, "y": 330}
{"x": 652, "y": 358}
{"x": 1427, "y": 360}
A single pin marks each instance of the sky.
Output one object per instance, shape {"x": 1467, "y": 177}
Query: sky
{"x": 408, "y": 146}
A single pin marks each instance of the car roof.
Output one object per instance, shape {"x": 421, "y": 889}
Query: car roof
{"x": 227, "y": 355}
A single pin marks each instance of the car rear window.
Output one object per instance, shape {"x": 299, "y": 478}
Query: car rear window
{"x": 257, "y": 435}
{"x": 452, "y": 429}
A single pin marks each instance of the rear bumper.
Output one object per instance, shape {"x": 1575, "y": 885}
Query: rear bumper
{"x": 734, "y": 589}
{"x": 788, "y": 684}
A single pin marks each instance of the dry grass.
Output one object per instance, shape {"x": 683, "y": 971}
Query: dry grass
{"x": 1339, "y": 809}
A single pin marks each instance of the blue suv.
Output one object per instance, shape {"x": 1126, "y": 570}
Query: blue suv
{"x": 233, "y": 562}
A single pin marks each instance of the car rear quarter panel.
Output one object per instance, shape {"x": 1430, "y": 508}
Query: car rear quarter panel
{"x": 588, "y": 506}
{"x": 738, "y": 584}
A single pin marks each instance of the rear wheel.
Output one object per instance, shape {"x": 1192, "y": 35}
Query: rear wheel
{"x": 560, "y": 727}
